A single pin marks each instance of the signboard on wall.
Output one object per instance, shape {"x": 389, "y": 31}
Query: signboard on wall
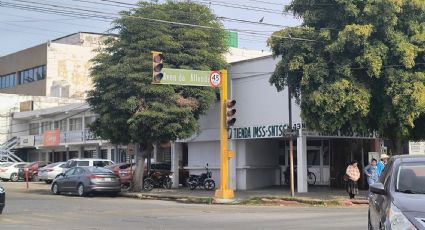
{"x": 416, "y": 148}
{"x": 26, "y": 106}
{"x": 282, "y": 130}
{"x": 51, "y": 137}
{"x": 26, "y": 141}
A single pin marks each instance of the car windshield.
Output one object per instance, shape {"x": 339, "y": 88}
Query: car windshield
{"x": 411, "y": 178}
{"x": 99, "y": 170}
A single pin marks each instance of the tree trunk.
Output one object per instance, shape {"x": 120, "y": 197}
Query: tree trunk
{"x": 142, "y": 152}
{"x": 398, "y": 147}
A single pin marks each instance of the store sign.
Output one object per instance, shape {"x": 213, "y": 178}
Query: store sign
{"x": 263, "y": 131}
{"x": 26, "y": 106}
{"x": 51, "y": 137}
{"x": 416, "y": 148}
{"x": 26, "y": 141}
{"x": 280, "y": 131}
{"x": 342, "y": 134}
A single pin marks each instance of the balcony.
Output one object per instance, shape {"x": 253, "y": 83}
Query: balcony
{"x": 66, "y": 138}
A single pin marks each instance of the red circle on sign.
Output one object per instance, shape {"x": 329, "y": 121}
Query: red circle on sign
{"x": 215, "y": 79}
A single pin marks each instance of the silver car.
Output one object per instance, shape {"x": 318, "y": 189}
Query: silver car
{"x": 86, "y": 180}
{"x": 49, "y": 172}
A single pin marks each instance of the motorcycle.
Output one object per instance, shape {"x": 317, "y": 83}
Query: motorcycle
{"x": 157, "y": 179}
{"x": 204, "y": 180}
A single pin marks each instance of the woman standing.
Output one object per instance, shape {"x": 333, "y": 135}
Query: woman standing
{"x": 371, "y": 172}
{"x": 353, "y": 175}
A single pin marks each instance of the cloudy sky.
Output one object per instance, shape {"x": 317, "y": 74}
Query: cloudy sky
{"x": 26, "y": 23}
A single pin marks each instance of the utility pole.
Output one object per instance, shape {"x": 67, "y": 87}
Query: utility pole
{"x": 291, "y": 145}
{"x": 224, "y": 192}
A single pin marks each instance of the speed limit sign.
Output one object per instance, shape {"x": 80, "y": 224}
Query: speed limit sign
{"x": 215, "y": 79}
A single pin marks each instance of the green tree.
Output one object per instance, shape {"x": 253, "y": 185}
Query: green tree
{"x": 364, "y": 69}
{"x": 131, "y": 108}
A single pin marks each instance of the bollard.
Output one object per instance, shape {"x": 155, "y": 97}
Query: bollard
{"x": 26, "y": 176}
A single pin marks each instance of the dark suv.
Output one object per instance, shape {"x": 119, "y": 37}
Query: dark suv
{"x": 2, "y": 199}
{"x": 32, "y": 170}
{"x": 397, "y": 201}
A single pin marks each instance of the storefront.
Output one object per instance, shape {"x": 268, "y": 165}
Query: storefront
{"x": 259, "y": 140}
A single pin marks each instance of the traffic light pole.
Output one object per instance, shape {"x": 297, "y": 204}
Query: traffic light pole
{"x": 224, "y": 192}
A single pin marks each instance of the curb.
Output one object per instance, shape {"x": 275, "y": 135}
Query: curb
{"x": 176, "y": 198}
{"x": 277, "y": 201}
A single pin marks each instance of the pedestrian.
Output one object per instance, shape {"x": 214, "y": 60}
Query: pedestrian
{"x": 353, "y": 175}
{"x": 382, "y": 163}
{"x": 371, "y": 172}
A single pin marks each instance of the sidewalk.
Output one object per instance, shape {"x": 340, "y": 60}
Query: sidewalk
{"x": 319, "y": 195}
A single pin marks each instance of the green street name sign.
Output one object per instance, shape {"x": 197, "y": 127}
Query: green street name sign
{"x": 185, "y": 77}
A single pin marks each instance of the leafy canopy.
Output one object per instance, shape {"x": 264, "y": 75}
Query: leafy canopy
{"x": 363, "y": 71}
{"x": 132, "y": 109}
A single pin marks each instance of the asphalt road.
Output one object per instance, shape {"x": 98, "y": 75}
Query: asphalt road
{"x": 38, "y": 209}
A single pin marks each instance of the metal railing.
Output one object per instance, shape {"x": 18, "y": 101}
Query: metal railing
{"x": 6, "y": 150}
{"x": 74, "y": 137}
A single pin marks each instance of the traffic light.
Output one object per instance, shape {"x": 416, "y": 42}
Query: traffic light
{"x": 157, "y": 65}
{"x": 230, "y": 112}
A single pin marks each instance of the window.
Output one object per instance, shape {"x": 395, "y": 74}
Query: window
{"x": 45, "y": 126}
{"x": 313, "y": 157}
{"x": 34, "y": 128}
{"x": 8, "y": 81}
{"x": 75, "y": 124}
{"x": 88, "y": 121}
{"x": 33, "y": 74}
{"x": 83, "y": 163}
{"x": 61, "y": 125}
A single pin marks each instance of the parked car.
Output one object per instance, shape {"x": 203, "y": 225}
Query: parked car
{"x": 123, "y": 171}
{"x": 85, "y": 180}
{"x": 397, "y": 201}
{"x": 88, "y": 162}
{"x": 10, "y": 170}
{"x": 2, "y": 199}
{"x": 32, "y": 170}
{"x": 49, "y": 172}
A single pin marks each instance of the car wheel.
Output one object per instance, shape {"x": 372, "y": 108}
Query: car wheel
{"x": 80, "y": 190}
{"x": 14, "y": 177}
{"x": 35, "y": 177}
{"x": 48, "y": 181}
{"x": 55, "y": 189}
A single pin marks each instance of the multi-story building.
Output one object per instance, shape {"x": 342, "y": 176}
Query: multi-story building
{"x": 58, "y": 68}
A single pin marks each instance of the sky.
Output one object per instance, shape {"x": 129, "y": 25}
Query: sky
{"x": 21, "y": 29}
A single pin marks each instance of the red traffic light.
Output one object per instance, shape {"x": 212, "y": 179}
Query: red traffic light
{"x": 157, "y": 58}
{"x": 230, "y": 111}
{"x": 230, "y": 103}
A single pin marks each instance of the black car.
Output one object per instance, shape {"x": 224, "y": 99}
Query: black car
{"x": 2, "y": 199}
{"x": 84, "y": 180}
{"x": 397, "y": 201}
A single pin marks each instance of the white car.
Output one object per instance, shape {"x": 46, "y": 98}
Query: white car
{"x": 9, "y": 170}
{"x": 49, "y": 172}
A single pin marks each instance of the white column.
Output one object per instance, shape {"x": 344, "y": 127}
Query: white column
{"x": 155, "y": 152}
{"x": 80, "y": 152}
{"x": 302, "y": 163}
{"x": 176, "y": 152}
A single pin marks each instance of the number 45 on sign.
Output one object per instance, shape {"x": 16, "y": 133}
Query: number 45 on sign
{"x": 215, "y": 79}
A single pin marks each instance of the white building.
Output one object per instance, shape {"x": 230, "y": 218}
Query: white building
{"x": 257, "y": 138}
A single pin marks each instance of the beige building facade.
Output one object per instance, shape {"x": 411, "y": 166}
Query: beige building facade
{"x": 58, "y": 68}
